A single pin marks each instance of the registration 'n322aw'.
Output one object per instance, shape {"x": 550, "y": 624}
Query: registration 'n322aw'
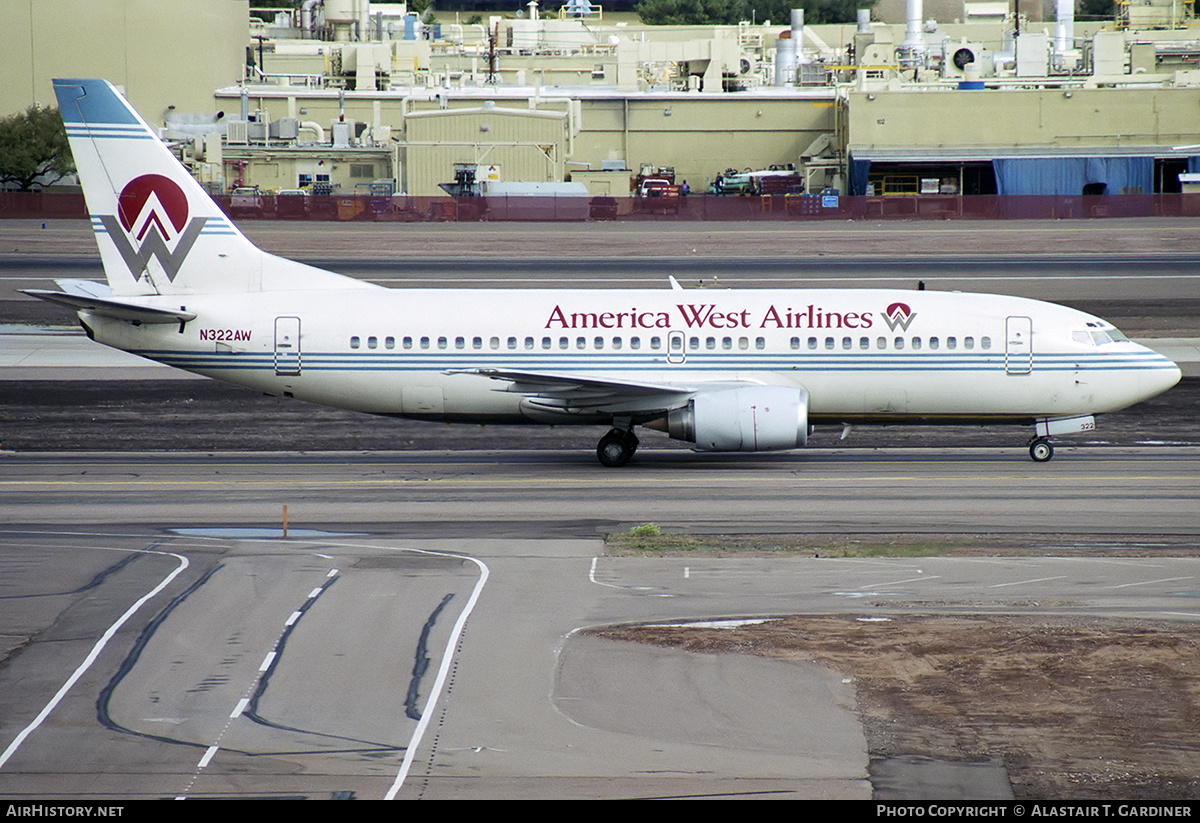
{"x": 728, "y": 370}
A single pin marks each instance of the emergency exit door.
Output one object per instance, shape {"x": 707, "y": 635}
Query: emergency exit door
{"x": 287, "y": 345}
{"x": 1018, "y": 345}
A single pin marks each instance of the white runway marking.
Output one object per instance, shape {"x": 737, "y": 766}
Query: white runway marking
{"x": 443, "y": 672}
{"x": 1027, "y": 582}
{"x": 91, "y": 658}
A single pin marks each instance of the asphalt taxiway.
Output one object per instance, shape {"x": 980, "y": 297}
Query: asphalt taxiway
{"x": 417, "y": 633}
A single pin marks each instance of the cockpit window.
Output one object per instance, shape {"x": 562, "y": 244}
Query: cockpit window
{"x": 1098, "y": 337}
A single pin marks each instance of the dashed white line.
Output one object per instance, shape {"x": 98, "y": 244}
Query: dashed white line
{"x": 1027, "y": 582}
{"x": 1150, "y": 582}
{"x": 208, "y": 755}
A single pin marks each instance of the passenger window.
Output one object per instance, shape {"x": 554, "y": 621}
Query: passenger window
{"x": 656, "y": 343}
{"x": 829, "y": 343}
{"x": 424, "y": 342}
{"x": 951, "y": 343}
{"x": 898, "y": 343}
{"x": 916, "y": 342}
{"x": 968, "y": 342}
{"x": 372, "y": 342}
{"x": 581, "y": 342}
{"x": 529, "y": 343}
{"x": 881, "y": 342}
{"x": 864, "y": 343}
{"x": 564, "y": 342}
{"x": 616, "y": 342}
{"x": 354, "y": 342}
{"x": 727, "y": 343}
{"x": 795, "y": 342}
{"x": 635, "y": 342}
{"x": 477, "y": 342}
{"x": 710, "y": 343}
{"x": 847, "y": 343}
{"x": 443, "y": 342}
{"x": 389, "y": 342}
{"x": 743, "y": 343}
{"x": 547, "y": 343}
{"x": 695, "y": 343}
{"x": 408, "y": 342}
{"x": 760, "y": 343}
{"x": 512, "y": 342}
{"x": 460, "y": 342}
{"x": 812, "y": 343}
{"x": 985, "y": 342}
{"x": 494, "y": 342}
{"x": 598, "y": 342}
{"x": 933, "y": 342}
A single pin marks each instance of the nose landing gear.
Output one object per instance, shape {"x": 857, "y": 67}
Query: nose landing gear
{"x": 1040, "y": 449}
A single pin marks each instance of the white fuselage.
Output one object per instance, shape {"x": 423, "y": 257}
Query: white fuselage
{"x": 862, "y": 355}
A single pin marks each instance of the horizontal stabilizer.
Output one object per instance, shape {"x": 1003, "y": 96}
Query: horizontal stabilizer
{"x": 109, "y": 307}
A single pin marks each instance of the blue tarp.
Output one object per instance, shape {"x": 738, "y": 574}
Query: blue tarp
{"x": 1066, "y": 176}
{"x": 859, "y": 171}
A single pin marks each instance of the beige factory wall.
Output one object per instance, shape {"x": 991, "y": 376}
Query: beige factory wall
{"x": 271, "y": 171}
{"x": 163, "y": 52}
{"x": 1027, "y": 119}
{"x": 529, "y": 146}
{"x": 702, "y": 136}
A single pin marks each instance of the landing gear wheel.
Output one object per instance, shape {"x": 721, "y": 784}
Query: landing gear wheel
{"x": 616, "y": 448}
{"x": 1041, "y": 450}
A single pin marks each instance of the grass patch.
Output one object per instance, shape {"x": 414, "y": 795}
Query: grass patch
{"x": 649, "y": 538}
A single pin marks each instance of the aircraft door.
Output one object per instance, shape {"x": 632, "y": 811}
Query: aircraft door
{"x": 1018, "y": 345}
{"x": 287, "y": 345}
{"x": 676, "y": 352}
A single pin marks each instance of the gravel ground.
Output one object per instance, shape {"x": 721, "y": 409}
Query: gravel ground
{"x": 1076, "y": 709}
{"x": 204, "y": 415}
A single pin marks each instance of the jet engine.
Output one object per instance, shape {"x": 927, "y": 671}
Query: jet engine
{"x": 747, "y": 419}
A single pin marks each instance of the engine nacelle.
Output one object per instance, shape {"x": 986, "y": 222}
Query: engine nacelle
{"x": 748, "y": 419}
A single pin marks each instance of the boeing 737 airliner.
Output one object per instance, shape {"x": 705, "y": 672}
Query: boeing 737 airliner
{"x": 728, "y": 370}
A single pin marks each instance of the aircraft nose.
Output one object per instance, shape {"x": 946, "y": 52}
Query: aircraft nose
{"x": 1157, "y": 380}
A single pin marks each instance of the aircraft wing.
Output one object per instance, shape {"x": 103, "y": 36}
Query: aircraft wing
{"x": 97, "y": 297}
{"x": 580, "y": 393}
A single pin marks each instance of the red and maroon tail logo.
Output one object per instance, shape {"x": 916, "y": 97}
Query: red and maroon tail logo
{"x": 898, "y": 316}
{"x": 152, "y": 212}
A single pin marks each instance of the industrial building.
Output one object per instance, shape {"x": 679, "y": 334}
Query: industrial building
{"x": 349, "y": 96}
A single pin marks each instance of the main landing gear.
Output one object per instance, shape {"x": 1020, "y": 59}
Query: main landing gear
{"x": 617, "y": 447}
{"x": 1040, "y": 449}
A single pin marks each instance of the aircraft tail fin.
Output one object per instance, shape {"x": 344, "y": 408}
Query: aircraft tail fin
{"x": 158, "y": 230}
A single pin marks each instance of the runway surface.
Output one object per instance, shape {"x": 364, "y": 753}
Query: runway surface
{"x": 303, "y": 666}
{"x": 1084, "y": 491}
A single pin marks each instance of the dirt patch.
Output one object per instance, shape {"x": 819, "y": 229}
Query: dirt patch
{"x": 1076, "y": 708}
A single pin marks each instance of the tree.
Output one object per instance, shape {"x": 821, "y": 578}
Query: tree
{"x": 729, "y": 12}
{"x": 1097, "y": 10}
{"x": 34, "y": 145}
